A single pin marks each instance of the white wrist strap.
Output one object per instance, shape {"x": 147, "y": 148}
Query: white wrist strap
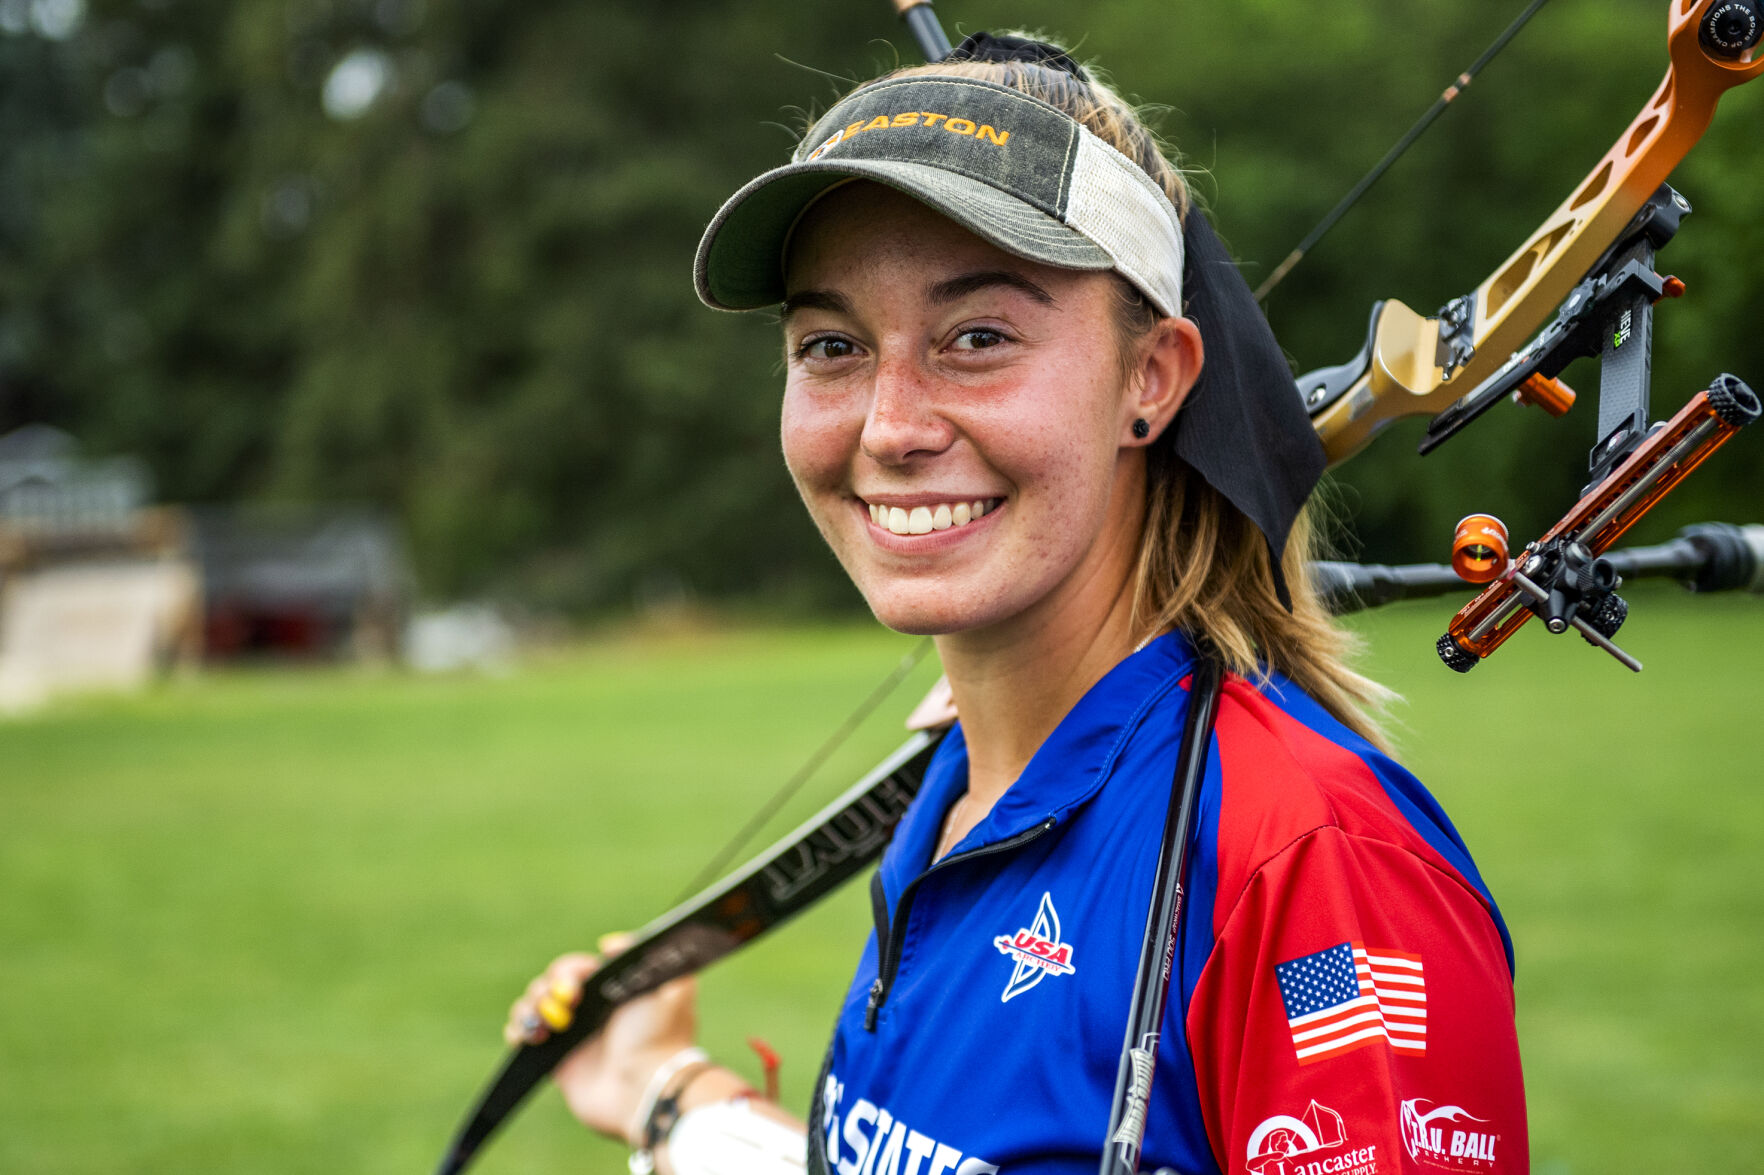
{"x": 728, "y": 1138}
{"x": 666, "y": 1072}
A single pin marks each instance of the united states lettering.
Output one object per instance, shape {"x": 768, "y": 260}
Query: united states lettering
{"x": 1351, "y": 996}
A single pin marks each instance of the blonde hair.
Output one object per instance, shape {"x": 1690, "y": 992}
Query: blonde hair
{"x": 1203, "y": 565}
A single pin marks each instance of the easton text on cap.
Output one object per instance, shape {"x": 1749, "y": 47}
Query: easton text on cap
{"x": 1011, "y": 169}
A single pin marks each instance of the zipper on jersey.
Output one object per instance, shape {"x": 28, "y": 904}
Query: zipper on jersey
{"x": 889, "y": 939}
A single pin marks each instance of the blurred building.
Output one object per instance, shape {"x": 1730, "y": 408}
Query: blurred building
{"x": 300, "y": 581}
{"x": 99, "y": 589}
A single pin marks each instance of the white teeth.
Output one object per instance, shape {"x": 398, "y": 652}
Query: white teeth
{"x": 925, "y": 519}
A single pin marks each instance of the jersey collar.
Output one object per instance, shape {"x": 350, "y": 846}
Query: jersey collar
{"x": 1065, "y": 772}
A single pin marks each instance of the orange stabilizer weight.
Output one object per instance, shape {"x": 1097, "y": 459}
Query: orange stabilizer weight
{"x": 1599, "y": 519}
{"x": 1479, "y": 548}
{"x": 1552, "y": 395}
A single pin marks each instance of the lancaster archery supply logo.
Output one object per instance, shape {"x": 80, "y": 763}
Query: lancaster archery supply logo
{"x": 1438, "y": 1136}
{"x": 984, "y": 132}
{"x": 1350, "y": 996}
{"x": 1037, "y": 950}
{"x": 1314, "y": 1143}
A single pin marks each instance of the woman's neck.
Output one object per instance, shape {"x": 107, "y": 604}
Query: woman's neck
{"x": 1014, "y": 684}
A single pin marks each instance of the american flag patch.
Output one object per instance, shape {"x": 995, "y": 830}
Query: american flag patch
{"x": 1348, "y": 996}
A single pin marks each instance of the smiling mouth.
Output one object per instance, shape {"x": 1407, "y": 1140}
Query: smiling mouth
{"x": 925, "y": 519}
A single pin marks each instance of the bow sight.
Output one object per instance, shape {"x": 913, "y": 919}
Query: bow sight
{"x": 1561, "y": 577}
{"x": 1633, "y": 464}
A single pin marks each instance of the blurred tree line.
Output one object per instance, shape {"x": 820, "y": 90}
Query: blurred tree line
{"x": 435, "y": 254}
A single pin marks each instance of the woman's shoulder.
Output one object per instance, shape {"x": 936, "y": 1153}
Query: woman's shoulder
{"x": 1286, "y": 759}
{"x": 1277, "y": 754}
{"x": 1290, "y": 772}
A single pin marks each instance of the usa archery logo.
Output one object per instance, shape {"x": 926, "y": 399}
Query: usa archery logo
{"x": 1037, "y": 951}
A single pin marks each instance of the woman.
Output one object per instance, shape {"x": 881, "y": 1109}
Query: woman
{"x": 1034, "y": 412}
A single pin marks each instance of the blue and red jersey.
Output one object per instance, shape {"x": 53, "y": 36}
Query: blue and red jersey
{"x": 1342, "y": 1002}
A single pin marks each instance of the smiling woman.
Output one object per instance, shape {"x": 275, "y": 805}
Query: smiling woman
{"x": 928, "y": 369}
{"x": 1035, "y": 413}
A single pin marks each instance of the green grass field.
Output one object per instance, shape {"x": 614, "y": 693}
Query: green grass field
{"x": 268, "y": 922}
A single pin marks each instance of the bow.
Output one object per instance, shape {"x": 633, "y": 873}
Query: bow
{"x": 1415, "y": 365}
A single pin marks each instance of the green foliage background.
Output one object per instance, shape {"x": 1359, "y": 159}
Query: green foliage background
{"x": 482, "y": 319}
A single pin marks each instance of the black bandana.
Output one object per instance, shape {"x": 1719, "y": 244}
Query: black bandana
{"x": 984, "y": 46}
{"x": 1243, "y": 428}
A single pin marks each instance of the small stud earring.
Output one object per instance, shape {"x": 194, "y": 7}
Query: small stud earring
{"x": 1140, "y": 428}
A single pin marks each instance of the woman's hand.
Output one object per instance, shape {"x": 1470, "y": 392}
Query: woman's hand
{"x": 604, "y": 1077}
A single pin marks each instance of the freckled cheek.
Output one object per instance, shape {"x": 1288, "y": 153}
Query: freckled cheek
{"x": 818, "y": 444}
{"x": 1055, "y": 462}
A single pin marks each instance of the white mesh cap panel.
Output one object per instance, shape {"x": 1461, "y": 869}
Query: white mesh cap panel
{"x": 1119, "y": 207}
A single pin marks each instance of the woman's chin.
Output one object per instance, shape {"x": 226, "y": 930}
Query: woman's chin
{"x": 931, "y": 617}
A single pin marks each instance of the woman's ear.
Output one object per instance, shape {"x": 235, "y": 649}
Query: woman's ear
{"x": 1169, "y": 362}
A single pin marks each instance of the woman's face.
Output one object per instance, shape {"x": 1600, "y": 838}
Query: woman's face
{"x": 956, "y": 418}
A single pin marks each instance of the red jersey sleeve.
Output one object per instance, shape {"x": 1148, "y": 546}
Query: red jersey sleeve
{"x": 1356, "y": 1018}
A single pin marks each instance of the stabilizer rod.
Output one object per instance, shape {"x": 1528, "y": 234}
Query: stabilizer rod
{"x": 1707, "y": 557}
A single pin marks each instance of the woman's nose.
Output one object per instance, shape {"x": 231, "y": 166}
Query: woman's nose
{"x": 904, "y": 419}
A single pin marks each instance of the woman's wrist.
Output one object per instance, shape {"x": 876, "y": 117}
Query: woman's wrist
{"x": 684, "y": 1082}
{"x": 663, "y": 1072}
{"x": 710, "y": 1085}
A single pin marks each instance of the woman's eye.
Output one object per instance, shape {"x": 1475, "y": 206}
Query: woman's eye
{"x": 826, "y": 347}
{"x": 978, "y": 339}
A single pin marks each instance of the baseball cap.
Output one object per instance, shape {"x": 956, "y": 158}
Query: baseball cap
{"x": 1012, "y": 169}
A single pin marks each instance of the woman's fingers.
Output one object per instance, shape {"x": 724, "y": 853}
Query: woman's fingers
{"x": 556, "y": 1007}
{"x": 549, "y": 1003}
{"x": 604, "y": 1077}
